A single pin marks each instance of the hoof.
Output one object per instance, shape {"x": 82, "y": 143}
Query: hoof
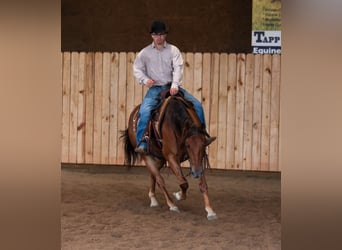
{"x": 174, "y": 209}
{"x": 154, "y": 204}
{"x": 178, "y": 195}
{"x": 212, "y": 217}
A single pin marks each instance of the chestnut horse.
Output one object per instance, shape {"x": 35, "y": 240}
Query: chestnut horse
{"x": 181, "y": 138}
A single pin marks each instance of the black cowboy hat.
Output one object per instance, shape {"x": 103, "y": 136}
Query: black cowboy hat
{"x": 158, "y": 27}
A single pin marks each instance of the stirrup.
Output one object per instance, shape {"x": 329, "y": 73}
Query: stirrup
{"x": 141, "y": 150}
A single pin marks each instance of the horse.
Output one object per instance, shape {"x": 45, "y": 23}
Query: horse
{"x": 181, "y": 138}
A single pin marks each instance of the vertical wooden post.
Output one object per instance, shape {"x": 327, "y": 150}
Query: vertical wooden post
{"x": 213, "y": 113}
{"x": 257, "y": 101}
{"x": 66, "y": 106}
{"x": 231, "y": 111}
{"x": 105, "y": 108}
{"x": 275, "y": 114}
{"x": 81, "y": 109}
{"x": 239, "y": 113}
{"x": 266, "y": 113}
{"x": 114, "y": 104}
{"x": 89, "y": 107}
{"x": 222, "y": 114}
{"x": 248, "y": 113}
{"x": 73, "y": 107}
{"x": 98, "y": 108}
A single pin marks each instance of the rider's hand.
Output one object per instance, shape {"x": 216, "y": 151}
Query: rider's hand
{"x": 149, "y": 83}
{"x": 173, "y": 91}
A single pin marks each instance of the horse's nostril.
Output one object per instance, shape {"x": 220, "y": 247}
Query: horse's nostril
{"x": 196, "y": 174}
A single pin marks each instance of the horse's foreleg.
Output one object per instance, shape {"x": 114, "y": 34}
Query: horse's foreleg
{"x": 181, "y": 195}
{"x": 152, "y": 192}
{"x": 183, "y": 183}
{"x": 211, "y": 215}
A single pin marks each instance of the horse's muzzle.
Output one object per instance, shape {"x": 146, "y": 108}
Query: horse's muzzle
{"x": 196, "y": 173}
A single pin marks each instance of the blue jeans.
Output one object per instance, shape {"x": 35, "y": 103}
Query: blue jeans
{"x": 151, "y": 100}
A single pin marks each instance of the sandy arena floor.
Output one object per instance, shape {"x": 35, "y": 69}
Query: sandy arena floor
{"x": 108, "y": 208}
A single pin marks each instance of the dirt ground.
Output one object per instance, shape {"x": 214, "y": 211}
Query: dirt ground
{"x": 108, "y": 208}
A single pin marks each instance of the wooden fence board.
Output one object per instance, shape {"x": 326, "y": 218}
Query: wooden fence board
{"x": 89, "y": 106}
{"x": 197, "y": 88}
{"x": 73, "y": 107}
{"x": 231, "y": 111}
{"x": 240, "y": 94}
{"x": 184, "y": 83}
{"x": 206, "y": 86}
{"x": 222, "y": 114}
{"x": 266, "y": 112}
{"x": 81, "y": 109}
{"x": 138, "y": 91}
{"x": 105, "y": 108}
{"x": 97, "y": 108}
{"x": 130, "y": 82}
{"x": 66, "y": 105}
{"x": 122, "y": 122}
{"x": 248, "y": 113}
{"x": 188, "y": 79}
{"x": 239, "y": 113}
{"x": 275, "y": 109}
{"x": 114, "y": 104}
{"x": 213, "y": 113}
{"x": 256, "y": 138}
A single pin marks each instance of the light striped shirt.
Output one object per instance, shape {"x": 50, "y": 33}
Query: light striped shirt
{"x": 164, "y": 66}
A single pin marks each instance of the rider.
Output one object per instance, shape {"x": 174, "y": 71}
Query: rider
{"x": 158, "y": 66}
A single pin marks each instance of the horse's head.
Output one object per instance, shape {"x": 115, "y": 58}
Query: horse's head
{"x": 195, "y": 146}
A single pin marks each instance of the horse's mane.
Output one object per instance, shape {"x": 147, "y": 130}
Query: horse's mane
{"x": 178, "y": 116}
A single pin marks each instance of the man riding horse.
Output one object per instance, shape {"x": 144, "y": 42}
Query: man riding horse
{"x": 160, "y": 66}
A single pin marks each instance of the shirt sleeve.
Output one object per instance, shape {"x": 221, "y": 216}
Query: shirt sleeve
{"x": 139, "y": 69}
{"x": 177, "y": 63}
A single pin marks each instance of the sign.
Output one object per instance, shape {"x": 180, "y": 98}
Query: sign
{"x": 266, "y": 27}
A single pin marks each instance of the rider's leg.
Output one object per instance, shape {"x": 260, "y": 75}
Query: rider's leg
{"x": 149, "y": 102}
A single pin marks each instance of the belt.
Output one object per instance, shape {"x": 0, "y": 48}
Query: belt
{"x": 168, "y": 85}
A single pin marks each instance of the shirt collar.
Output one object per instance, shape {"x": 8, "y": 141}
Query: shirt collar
{"x": 165, "y": 43}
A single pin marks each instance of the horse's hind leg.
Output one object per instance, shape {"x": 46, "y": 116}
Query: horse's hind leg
{"x": 153, "y": 167}
{"x": 152, "y": 192}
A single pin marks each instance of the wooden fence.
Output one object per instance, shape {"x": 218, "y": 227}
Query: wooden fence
{"x": 239, "y": 92}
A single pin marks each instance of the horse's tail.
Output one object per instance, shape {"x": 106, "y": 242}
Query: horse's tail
{"x": 130, "y": 155}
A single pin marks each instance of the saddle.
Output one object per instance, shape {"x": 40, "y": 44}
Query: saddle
{"x": 152, "y": 133}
